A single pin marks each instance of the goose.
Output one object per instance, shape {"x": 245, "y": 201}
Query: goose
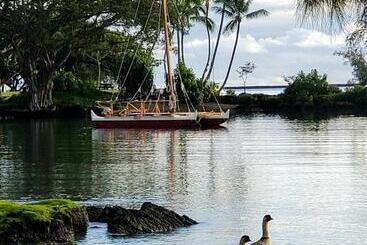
{"x": 244, "y": 240}
{"x": 265, "y": 239}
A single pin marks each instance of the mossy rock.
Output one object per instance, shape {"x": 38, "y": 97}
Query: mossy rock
{"x": 45, "y": 221}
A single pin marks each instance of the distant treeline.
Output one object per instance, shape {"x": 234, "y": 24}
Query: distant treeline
{"x": 305, "y": 93}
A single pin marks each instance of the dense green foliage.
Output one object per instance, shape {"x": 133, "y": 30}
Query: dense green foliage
{"x": 191, "y": 84}
{"x": 356, "y": 95}
{"x": 197, "y": 91}
{"x": 41, "y": 211}
{"x": 43, "y": 35}
{"x": 356, "y": 57}
{"x": 309, "y": 88}
{"x": 70, "y": 91}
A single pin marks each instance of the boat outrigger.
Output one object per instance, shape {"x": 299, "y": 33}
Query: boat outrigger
{"x": 152, "y": 113}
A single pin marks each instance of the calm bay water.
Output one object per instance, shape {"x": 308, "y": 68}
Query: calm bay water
{"x": 310, "y": 176}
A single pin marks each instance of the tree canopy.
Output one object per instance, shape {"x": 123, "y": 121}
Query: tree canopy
{"x": 42, "y": 35}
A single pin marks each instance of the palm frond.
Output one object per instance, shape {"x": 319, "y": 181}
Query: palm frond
{"x": 208, "y": 22}
{"x": 257, "y": 14}
{"x": 231, "y": 26}
{"x": 327, "y": 12}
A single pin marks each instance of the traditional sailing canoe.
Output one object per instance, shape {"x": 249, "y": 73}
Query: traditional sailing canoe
{"x": 148, "y": 120}
{"x": 136, "y": 114}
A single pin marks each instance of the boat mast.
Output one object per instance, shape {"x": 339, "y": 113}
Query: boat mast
{"x": 172, "y": 96}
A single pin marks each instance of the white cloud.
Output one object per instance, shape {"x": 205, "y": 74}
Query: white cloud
{"x": 246, "y": 44}
{"x": 276, "y": 44}
{"x": 197, "y": 43}
{"x": 269, "y": 41}
{"x": 311, "y": 39}
{"x": 250, "y": 45}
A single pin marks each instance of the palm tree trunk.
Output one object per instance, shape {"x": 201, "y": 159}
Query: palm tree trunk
{"x": 232, "y": 58}
{"x": 182, "y": 47}
{"x": 178, "y": 46}
{"x": 209, "y": 43}
{"x": 216, "y": 47}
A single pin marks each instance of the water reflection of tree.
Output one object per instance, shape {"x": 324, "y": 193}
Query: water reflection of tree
{"x": 48, "y": 156}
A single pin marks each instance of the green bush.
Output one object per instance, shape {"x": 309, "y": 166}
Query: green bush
{"x": 66, "y": 81}
{"x": 210, "y": 92}
{"x": 190, "y": 82}
{"x": 309, "y": 89}
{"x": 246, "y": 99}
{"x": 356, "y": 95}
{"x": 197, "y": 91}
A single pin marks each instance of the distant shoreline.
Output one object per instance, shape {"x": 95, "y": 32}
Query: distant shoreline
{"x": 258, "y": 103}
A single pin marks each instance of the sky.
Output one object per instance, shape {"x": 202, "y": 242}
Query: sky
{"x": 278, "y": 45}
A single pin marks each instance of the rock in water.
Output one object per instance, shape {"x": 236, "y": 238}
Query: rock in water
{"x": 97, "y": 214}
{"x": 43, "y": 222}
{"x": 150, "y": 218}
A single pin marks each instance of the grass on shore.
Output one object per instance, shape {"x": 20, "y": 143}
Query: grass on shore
{"x": 42, "y": 211}
{"x": 5, "y": 96}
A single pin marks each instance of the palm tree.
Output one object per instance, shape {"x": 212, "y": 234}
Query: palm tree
{"x": 237, "y": 10}
{"x": 186, "y": 11}
{"x": 209, "y": 28}
{"x": 219, "y": 10}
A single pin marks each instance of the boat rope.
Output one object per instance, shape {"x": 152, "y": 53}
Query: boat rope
{"x": 182, "y": 84}
{"x": 186, "y": 95}
{"x": 138, "y": 48}
{"x": 141, "y": 85}
{"x": 128, "y": 42}
{"x": 150, "y": 53}
{"x": 216, "y": 100}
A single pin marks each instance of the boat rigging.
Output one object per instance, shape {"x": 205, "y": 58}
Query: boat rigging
{"x": 151, "y": 113}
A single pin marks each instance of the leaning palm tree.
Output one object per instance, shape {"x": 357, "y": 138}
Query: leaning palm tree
{"x": 221, "y": 9}
{"x": 204, "y": 18}
{"x": 238, "y": 10}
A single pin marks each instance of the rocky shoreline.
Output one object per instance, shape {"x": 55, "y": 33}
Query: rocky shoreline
{"x": 62, "y": 221}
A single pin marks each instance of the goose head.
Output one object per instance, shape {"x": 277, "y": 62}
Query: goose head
{"x": 244, "y": 240}
{"x": 267, "y": 218}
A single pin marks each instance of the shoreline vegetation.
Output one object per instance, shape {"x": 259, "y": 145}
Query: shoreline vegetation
{"x": 306, "y": 94}
{"x": 62, "y": 221}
